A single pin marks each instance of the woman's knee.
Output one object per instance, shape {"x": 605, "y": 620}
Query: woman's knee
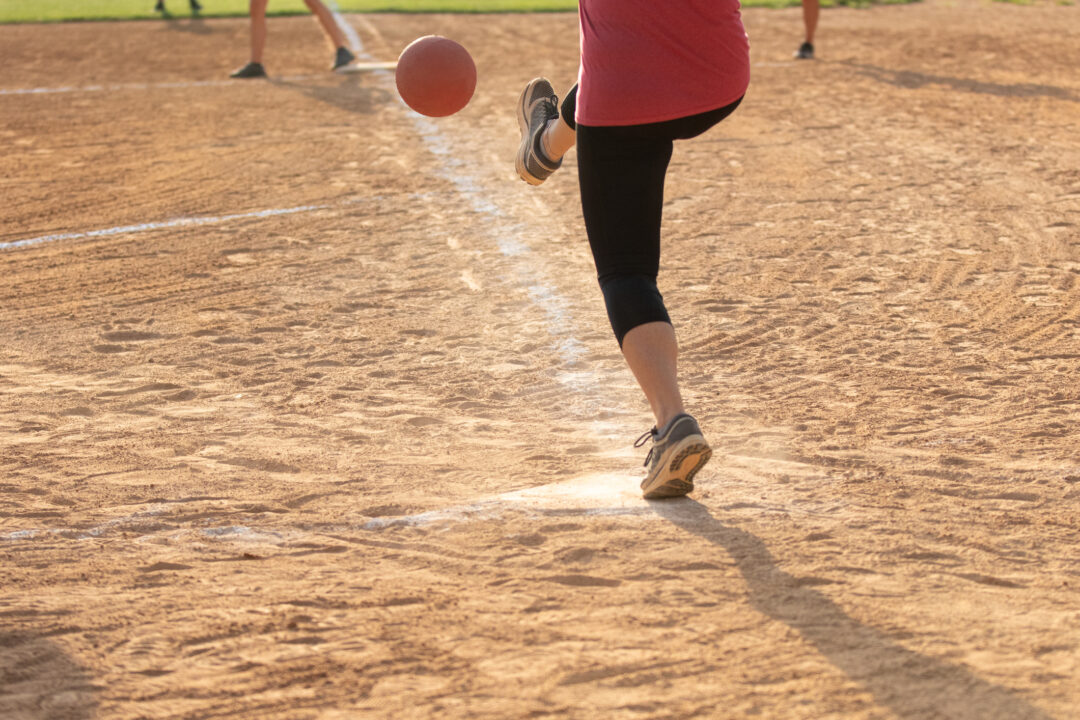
{"x": 568, "y": 111}
{"x": 632, "y": 300}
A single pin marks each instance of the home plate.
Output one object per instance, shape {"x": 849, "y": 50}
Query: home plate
{"x": 586, "y": 495}
{"x": 358, "y": 67}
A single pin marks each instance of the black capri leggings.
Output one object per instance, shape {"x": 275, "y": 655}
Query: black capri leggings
{"x": 621, "y": 172}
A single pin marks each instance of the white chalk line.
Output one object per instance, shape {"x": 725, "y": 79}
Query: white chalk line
{"x": 100, "y": 530}
{"x": 185, "y": 84}
{"x": 122, "y": 86}
{"x": 145, "y": 227}
{"x": 504, "y": 230}
{"x": 602, "y": 494}
{"x": 350, "y": 32}
{"x": 356, "y": 67}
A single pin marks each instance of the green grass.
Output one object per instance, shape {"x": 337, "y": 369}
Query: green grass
{"x": 825, "y": 3}
{"x": 13, "y": 11}
{"x": 59, "y": 10}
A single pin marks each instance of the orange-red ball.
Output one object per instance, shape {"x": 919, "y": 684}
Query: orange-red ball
{"x": 435, "y": 76}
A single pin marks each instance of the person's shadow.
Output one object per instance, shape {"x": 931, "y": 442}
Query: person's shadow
{"x": 194, "y": 25}
{"x": 913, "y": 80}
{"x": 907, "y": 683}
{"x": 39, "y": 680}
{"x": 348, "y": 92}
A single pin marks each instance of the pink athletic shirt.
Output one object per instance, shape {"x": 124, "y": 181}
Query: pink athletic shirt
{"x": 645, "y": 61}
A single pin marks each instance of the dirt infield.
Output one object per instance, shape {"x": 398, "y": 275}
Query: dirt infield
{"x": 327, "y": 422}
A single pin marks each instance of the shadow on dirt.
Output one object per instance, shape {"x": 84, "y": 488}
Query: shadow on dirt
{"x": 40, "y": 682}
{"x": 913, "y": 80}
{"x": 907, "y": 683}
{"x": 351, "y": 93}
{"x": 194, "y": 25}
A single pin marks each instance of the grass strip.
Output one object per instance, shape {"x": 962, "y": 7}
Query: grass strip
{"x": 23, "y": 11}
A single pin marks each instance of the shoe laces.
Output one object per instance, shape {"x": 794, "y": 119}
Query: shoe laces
{"x": 551, "y": 107}
{"x": 642, "y": 440}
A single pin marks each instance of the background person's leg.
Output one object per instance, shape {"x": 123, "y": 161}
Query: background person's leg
{"x": 258, "y": 29}
{"x": 810, "y": 11}
{"x": 326, "y": 19}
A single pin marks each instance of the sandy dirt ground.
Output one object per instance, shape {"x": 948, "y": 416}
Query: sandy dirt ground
{"x": 370, "y": 455}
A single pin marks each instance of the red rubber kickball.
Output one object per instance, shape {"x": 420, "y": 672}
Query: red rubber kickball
{"x": 435, "y": 76}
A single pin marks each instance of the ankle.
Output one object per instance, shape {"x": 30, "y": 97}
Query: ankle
{"x": 545, "y": 143}
{"x": 664, "y": 419}
{"x": 557, "y": 138}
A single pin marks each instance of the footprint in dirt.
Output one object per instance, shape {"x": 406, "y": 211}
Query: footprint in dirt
{"x": 116, "y": 336}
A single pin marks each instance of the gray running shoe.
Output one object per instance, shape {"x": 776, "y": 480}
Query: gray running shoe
{"x": 342, "y": 58}
{"x": 805, "y": 52}
{"x": 536, "y": 106}
{"x": 251, "y": 70}
{"x": 679, "y": 451}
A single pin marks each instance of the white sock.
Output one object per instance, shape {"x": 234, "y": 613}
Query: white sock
{"x": 557, "y": 139}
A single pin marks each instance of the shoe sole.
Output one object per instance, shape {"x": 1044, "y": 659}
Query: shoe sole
{"x": 526, "y": 138}
{"x": 679, "y": 466}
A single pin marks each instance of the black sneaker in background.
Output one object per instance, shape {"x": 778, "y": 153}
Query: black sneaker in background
{"x": 195, "y": 7}
{"x": 805, "y": 52}
{"x": 342, "y": 58}
{"x": 251, "y": 70}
